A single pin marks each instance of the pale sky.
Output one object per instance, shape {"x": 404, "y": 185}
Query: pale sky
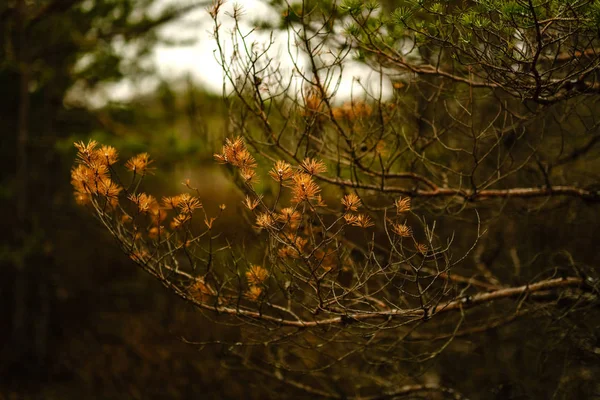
{"x": 198, "y": 60}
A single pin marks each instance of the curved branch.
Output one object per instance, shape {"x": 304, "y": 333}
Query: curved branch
{"x": 453, "y": 305}
{"x": 473, "y": 195}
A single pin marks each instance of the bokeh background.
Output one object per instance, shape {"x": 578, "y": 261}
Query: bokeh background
{"x": 77, "y": 318}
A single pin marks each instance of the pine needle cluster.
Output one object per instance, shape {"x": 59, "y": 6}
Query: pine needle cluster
{"x": 305, "y": 238}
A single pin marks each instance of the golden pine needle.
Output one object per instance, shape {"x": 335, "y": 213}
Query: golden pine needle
{"x": 313, "y": 166}
{"x": 234, "y": 152}
{"x": 145, "y": 202}
{"x": 256, "y": 275}
{"x": 139, "y": 164}
{"x": 99, "y": 171}
{"x": 362, "y": 221}
{"x": 350, "y": 218}
{"x": 281, "y": 171}
{"x": 304, "y": 188}
{"x": 421, "y": 248}
{"x": 312, "y": 101}
{"x": 86, "y": 153}
{"x": 180, "y": 220}
{"x": 249, "y": 175}
{"x": 170, "y": 202}
{"x": 220, "y": 158}
{"x": 209, "y": 222}
{"x": 294, "y": 249}
{"x": 86, "y": 148}
{"x": 85, "y": 179}
{"x": 108, "y": 188}
{"x": 250, "y": 203}
{"x": 82, "y": 179}
{"x": 402, "y": 230}
{"x": 187, "y": 204}
{"x": 253, "y": 293}
{"x": 319, "y": 201}
{"x": 289, "y": 216}
{"x": 200, "y": 291}
{"x": 264, "y": 220}
{"x": 107, "y": 155}
{"x": 403, "y": 205}
{"x": 351, "y": 202}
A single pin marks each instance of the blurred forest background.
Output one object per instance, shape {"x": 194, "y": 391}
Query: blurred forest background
{"x": 79, "y": 319}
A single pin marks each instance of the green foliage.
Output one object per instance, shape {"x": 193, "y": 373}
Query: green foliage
{"x": 352, "y": 6}
{"x": 594, "y": 12}
{"x": 401, "y": 15}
